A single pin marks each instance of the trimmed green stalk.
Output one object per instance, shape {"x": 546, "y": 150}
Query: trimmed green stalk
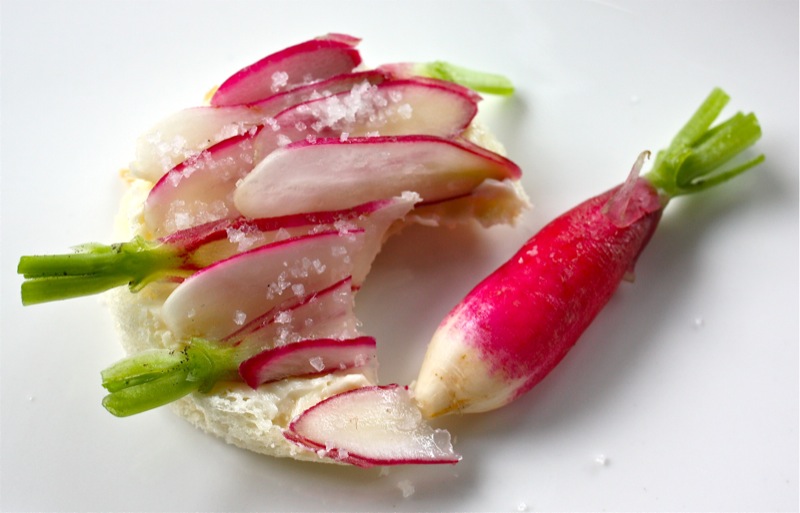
{"x": 154, "y": 378}
{"x": 94, "y": 268}
{"x": 477, "y": 80}
{"x": 692, "y": 160}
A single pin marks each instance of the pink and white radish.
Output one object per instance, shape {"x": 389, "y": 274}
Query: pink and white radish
{"x": 291, "y": 179}
{"x": 326, "y": 313}
{"x": 514, "y": 327}
{"x": 306, "y": 62}
{"x": 308, "y": 358}
{"x": 219, "y": 299}
{"x": 203, "y": 185}
{"x": 190, "y": 131}
{"x": 94, "y": 268}
{"x": 371, "y": 426}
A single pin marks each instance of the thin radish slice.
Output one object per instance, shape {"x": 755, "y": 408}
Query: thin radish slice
{"x": 190, "y": 131}
{"x": 330, "y": 174}
{"x": 219, "y": 299}
{"x": 189, "y": 194}
{"x": 217, "y": 240}
{"x": 327, "y": 313}
{"x": 307, "y": 358}
{"x": 306, "y": 62}
{"x": 371, "y": 426}
{"x": 398, "y": 107}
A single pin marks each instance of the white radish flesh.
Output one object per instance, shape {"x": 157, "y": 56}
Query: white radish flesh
{"x": 371, "y": 426}
{"x": 219, "y": 299}
{"x": 331, "y": 174}
{"x": 308, "y": 358}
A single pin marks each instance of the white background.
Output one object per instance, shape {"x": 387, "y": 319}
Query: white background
{"x": 687, "y": 383}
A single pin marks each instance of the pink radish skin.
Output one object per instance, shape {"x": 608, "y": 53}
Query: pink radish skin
{"x": 307, "y": 358}
{"x": 515, "y": 326}
{"x": 363, "y": 169}
{"x": 310, "y": 61}
{"x": 371, "y": 426}
{"x": 190, "y": 131}
{"x": 217, "y": 300}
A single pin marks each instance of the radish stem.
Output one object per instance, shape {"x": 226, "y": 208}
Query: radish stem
{"x": 477, "y": 80}
{"x": 154, "y": 378}
{"x": 95, "y": 268}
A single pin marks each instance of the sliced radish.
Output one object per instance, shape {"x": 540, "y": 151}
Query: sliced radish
{"x": 331, "y": 174}
{"x": 190, "y": 131}
{"x": 193, "y": 192}
{"x": 306, "y": 62}
{"x": 307, "y": 358}
{"x": 371, "y": 426}
{"x": 327, "y": 313}
{"x": 398, "y": 107}
{"x": 219, "y": 299}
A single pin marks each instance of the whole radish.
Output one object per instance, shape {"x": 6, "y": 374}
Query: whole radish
{"x": 514, "y": 327}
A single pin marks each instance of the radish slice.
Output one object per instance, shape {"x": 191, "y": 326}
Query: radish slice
{"x": 398, "y": 107}
{"x": 219, "y": 299}
{"x": 224, "y": 238}
{"x": 190, "y": 131}
{"x": 306, "y": 62}
{"x": 327, "y": 313}
{"x": 307, "y": 358}
{"x": 371, "y": 426}
{"x": 330, "y": 174}
{"x": 189, "y": 194}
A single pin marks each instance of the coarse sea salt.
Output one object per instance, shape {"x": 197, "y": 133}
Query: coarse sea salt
{"x": 406, "y": 487}
{"x": 279, "y": 80}
{"x": 239, "y": 317}
{"x": 317, "y": 363}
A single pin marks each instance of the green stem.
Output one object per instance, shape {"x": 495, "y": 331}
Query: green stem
{"x": 154, "y": 378}
{"x": 94, "y": 268}
{"x": 476, "y": 80}
{"x": 694, "y": 159}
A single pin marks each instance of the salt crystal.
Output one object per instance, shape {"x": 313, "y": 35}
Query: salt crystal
{"x": 191, "y": 313}
{"x": 522, "y": 507}
{"x": 602, "y": 460}
{"x": 311, "y": 138}
{"x": 284, "y": 317}
{"x": 318, "y": 266}
{"x": 343, "y": 137}
{"x": 384, "y": 471}
{"x": 317, "y": 363}
{"x": 338, "y": 250}
{"x": 283, "y": 140}
{"x": 298, "y": 289}
{"x": 239, "y": 317}
{"x": 406, "y": 487}
{"x": 359, "y": 360}
{"x": 405, "y": 111}
{"x": 395, "y": 95}
{"x": 279, "y": 80}
{"x": 300, "y": 126}
{"x": 273, "y": 124}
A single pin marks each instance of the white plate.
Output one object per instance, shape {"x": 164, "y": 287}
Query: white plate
{"x": 682, "y": 396}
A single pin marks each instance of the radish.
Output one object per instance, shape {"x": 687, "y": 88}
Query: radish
{"x": 371, "y": 426}
{"x": 292, "y": 179}
{"x": 307, "y": 358}
{"x": 94, "y": 268}
{"x": 306, "y": 62}
{"x": 515, "y": 326}
{"x": 190, "y": 131}
{"x": 326, "y": 313}
{"x": 217, "y": 300}
{"x": 201, "y": 188}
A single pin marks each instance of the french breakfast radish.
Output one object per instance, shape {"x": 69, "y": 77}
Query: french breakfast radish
{"x": 515, "y": 326}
